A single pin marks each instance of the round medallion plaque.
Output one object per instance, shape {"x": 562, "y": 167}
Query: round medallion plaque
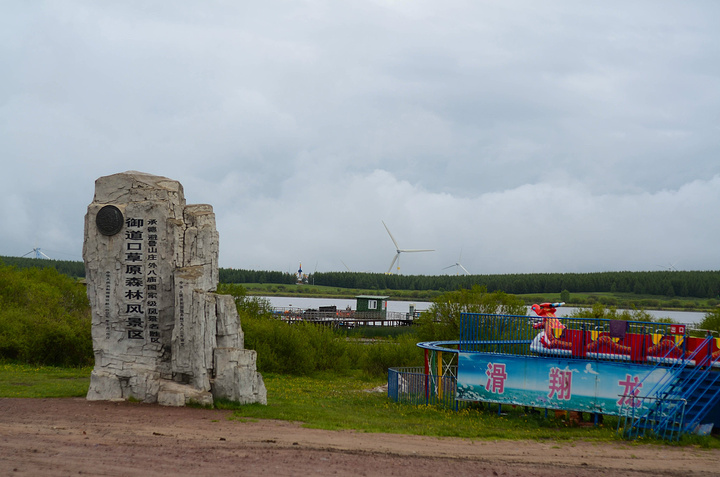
{"x": 109, "y": 220}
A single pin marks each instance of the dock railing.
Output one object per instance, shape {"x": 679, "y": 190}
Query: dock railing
{"x": 344, "y": 318}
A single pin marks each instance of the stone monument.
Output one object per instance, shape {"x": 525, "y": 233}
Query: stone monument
{"x": 160, "y": 333}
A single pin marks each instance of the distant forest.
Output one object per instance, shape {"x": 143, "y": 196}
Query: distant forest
{"x": 696, "y": 284}
{"x": 70, "y": 268}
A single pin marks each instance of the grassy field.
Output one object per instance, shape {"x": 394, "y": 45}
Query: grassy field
{"x": 346, "y": 402}
{"x": 329, "y": 402}
{"x": 26, "y": 381}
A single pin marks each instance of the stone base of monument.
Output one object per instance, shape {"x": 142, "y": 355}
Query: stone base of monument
{"x": 236, "y": 379}
{"x": 160, "y": 333}
{"x": 174, "y": 394}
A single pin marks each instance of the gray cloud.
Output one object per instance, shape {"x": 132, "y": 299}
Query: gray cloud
{"x": 553, "y": 137}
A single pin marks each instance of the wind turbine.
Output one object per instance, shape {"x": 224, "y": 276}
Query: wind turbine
{"x": 399, "y": 250}
{"x": 349, "y": 270}
{"x": 458, "y": 264}
{"x": 671, "y": 268}
{"x": 38, "y": 253}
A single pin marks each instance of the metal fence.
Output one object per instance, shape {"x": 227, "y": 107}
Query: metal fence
{"x": 413, "y": 386}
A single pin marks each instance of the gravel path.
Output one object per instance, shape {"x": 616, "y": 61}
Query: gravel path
{"x": 59, "y": 437}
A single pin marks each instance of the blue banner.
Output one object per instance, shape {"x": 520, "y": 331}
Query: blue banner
{"x": 574, "y": 385}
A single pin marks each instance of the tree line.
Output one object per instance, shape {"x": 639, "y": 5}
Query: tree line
{"x": 237, "y": 275}
{"x": 71, "y": 268}
{"x": 697, "y": 284}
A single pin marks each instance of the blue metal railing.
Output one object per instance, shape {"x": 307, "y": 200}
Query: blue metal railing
{"x": 704, "y": 400}
{"x": 637, "y": 424}
{"x": 571, "y": 337}
{"x": 663, "y": 403}
{"x": 674, "y": 397}
{"x": 698, "y": 386}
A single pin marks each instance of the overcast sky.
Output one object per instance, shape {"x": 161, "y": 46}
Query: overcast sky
{"x": 511, "y": 136}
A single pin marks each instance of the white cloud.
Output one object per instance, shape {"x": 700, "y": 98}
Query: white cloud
{"x": 589, "y": 369}
{"x": 534, "y": 228}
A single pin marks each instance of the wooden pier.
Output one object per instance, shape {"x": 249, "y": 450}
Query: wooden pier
{"x": 344, "y": 318}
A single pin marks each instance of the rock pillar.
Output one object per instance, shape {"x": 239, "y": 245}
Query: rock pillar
{"x": 160, "y": 333}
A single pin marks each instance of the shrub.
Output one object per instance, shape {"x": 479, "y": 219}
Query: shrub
{"x": 399, "y": 352}
{"x": 299, "y": 348}
{"x": 608, "y": 301}
{"x": 711, "y": 321}
{"x": 44, "y": 318}
{"x": 600, "y": 311}
{"x": 442, "y": 320}
{"x": 305, "y": 348}
{"x": 281, "y": 347}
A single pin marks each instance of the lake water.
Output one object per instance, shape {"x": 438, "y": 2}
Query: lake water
{"x": 303, "y": 303}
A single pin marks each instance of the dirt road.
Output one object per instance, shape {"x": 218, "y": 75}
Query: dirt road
{"x": 58, "y": 437}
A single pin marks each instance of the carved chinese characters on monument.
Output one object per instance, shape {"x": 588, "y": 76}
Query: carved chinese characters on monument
{"x": 141, "y": 279}
{"x": 160, "y": 332}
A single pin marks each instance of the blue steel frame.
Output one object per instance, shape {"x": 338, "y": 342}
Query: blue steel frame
{"x": 518, "y": 335}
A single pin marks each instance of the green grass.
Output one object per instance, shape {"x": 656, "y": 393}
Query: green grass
{"x": 27, "y": 381}
{"x": 331, "y": 402}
